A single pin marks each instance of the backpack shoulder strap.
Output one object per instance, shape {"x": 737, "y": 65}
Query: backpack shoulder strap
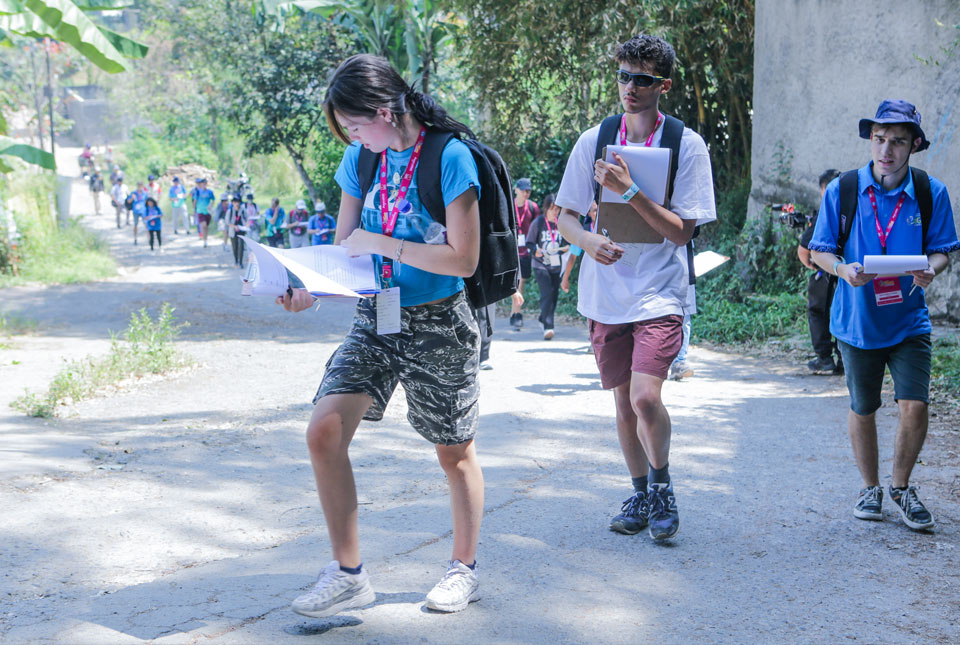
{"x": 429, "y": 187}
{"x": 849, "y": 189}
{"x": 672, "y": 134}
{"x": 607, "y": 136}
{"x": 367, "y": 165}
{"x": 921, "y": 186}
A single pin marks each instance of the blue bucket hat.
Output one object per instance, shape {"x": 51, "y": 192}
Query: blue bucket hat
{"x": 896, "y": 111}
{"x": 524, "y": 184}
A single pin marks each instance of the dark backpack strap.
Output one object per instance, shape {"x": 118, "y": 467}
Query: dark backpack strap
{"x": 367, "y": 166}
{"x": 921, "y": 187}
{"x": 429, "y": 187}
{"x": 672, "y": 134}
{"x": 607, "y": 136}
{"x": 849, "y": 189}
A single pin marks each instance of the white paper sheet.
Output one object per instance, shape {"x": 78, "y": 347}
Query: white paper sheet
{"x": 649, "y": 169}
{"x": 707, "y": 261}
{"x": 894, "y": 264}
{"x": 265, "y": 275}
{"x": 357, "y": 271}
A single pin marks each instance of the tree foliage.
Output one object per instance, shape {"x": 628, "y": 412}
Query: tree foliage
{"x": 553, "y": 76}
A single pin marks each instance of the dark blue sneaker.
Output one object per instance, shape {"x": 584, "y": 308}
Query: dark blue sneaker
{"x": 869, "y": 504}
{"x": 664, "y": 518}
{"x": 634, "y": 515}
{"x": 912, "y": 511}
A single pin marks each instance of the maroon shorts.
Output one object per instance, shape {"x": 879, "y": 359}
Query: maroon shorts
{"x": 203, "y": 217}
{"x": 646, "y": 347}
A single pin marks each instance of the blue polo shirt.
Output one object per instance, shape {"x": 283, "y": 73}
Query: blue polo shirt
{"x": 855, "y": 317}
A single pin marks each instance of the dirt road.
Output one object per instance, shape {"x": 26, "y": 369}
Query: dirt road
{"x": 183, "y": 509}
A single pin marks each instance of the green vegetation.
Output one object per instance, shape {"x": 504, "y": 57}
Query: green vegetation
{"x": 146, "y": 349}
{"x": 45, "y": 251}
{"x": 945, "y": 368}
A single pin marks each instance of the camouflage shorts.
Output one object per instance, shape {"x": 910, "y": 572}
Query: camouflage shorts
{"x": 435, "y": 356}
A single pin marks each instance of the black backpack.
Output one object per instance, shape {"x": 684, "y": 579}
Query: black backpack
{"x": 849, "y": 190}
{"x": 672, "y": 134}
{"x": 498, "y": 270}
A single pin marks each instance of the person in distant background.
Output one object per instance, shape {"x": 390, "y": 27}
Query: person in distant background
{"x": 321, "y": 226}
{"x": 275, "y": 218}
{"x": 202, "y": 197}
{"x": 96, "y": 187}
{"x": 153, "y": 218}
{"x": 297, "y": 225}
{"x": 178, "y": 206}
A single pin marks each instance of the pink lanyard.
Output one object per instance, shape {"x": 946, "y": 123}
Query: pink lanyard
{"x": 389, "y": 221}
{"x": 526, "y": 213}
{"x": 552, "y": 231}
{"x": 623, "y": 130}
{"x": 883, "y": 235}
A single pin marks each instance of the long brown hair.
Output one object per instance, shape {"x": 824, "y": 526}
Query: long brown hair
{"x": 364, "y": 83}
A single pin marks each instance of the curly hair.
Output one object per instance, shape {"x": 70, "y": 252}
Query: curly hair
{"x": 644, "y": 49}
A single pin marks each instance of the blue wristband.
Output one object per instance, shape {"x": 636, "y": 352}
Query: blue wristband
{"x": 633, "y": 190}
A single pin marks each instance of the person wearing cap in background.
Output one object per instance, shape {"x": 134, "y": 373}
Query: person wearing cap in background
{"x": 883, "y": 321}
{"x": 527, "y": 211}
{"x": 178, "y": 206}
{"x": 118, "y": 195}
{"x": 153, "y": 187}
{"x": 237, "y": 224}
{"x": 321, "y": 227}
{"x": 297, "y": 224}
{"x": 202, "y": 197}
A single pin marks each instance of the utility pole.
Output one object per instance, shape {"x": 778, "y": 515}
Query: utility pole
{"x": 36, "y": 93}
{"x": 47, "y": 45}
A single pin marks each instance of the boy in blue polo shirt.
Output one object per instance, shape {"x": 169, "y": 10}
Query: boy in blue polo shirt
{"x": 321, "y": 226}
{"x": 881, "y": 321}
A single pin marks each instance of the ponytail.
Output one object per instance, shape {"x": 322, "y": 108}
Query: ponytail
{"x": 426, "y": 110}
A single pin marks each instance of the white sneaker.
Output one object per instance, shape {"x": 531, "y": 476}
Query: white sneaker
{"x": 334, "y": 591}
{"x": 680, "y": 370}
{"x": 458, "y": 588}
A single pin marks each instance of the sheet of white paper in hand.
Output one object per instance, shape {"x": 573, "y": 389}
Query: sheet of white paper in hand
{"x": 894, "y": 264}
{"x": 272, "y": 260}
{"x": 354, "y": 273}
{"x": 265, "y": 275}
{"x": 707, "y": 261}
{"x": 649, "y": 169}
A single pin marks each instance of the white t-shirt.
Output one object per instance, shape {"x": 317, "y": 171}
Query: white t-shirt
{"x": 655, "y": 282}
{"x": 119, "y": 192}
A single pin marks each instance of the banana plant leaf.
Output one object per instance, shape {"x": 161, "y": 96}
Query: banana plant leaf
{"x": 36, "y": 156}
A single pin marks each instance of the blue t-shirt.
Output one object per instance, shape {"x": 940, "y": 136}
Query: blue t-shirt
{"x": 178, "y": 196}
{"x": 273, "y": 228}
{"x": 855, "y": 317}
{"x": 203, "y": 198}
{"x": 153, "y": 216}
{"x": 458, "y": 172}
{"x": 139, "y": 202}
{"x": 322, "y": 222}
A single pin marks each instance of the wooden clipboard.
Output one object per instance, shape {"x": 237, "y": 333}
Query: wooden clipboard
{"x": 623, "y": 224}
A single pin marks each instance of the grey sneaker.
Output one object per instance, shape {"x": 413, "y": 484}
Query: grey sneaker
{"x": 335, "y": 591}
{"x": 679, "y": 370}
{"x": 869, "y": 503}
{"x": 914, "y": 513}
{"x": 634, "y": 515}
{"x": 458, "y": 588}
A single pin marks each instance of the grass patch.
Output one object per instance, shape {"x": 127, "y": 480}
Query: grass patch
{"x": 13, "y": 326}
{"x": 945, "y": 368}
{"x": 48, "y": 252}
{"x": 147, "y": 348}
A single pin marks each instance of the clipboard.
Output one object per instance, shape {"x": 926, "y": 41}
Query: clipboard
{"x": 622, "y": 223}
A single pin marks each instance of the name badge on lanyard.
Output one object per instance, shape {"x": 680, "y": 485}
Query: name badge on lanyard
{"x": 886, "y": 289}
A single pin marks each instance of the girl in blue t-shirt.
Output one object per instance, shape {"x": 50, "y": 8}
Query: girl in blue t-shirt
{"x": 435, "y": 354}
{"x": 153, "y": 218}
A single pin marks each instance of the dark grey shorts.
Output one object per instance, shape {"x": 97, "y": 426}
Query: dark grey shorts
{"x": 909, "y": 363}
{"x": 435, "y": 356}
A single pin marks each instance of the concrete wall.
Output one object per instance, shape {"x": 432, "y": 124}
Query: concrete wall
{"x": 819, "y": 67}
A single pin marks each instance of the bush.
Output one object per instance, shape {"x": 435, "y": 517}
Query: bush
{"x": 945, "y": 367}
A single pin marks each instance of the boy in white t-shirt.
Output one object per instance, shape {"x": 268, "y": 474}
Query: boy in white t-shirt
{"x": 634, "y": 295}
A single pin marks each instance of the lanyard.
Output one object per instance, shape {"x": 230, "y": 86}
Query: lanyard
{"x": 623, "y": 130}
{"x": 526, "y": 213}
{"x": 552, "y": 231}
{"x": 389, "y": 219}
{"x": 883, "y": 235}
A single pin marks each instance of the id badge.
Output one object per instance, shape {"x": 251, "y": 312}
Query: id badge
{"x": 887, "y": 290}
{"x": 553, "y": 260}
{"x": 388, "y": 311}
{"x": 521, "y": 239}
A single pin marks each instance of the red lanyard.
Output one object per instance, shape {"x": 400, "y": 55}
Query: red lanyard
{"x": 552, "y": 231}
{"x": 526, "y": 213}
{"x": 623, "y": 130}
{"x": 389, "y": 221}
{"x": 883, "y": 235}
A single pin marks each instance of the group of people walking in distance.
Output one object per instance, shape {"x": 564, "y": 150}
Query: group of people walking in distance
{"x": 637, "y": 300}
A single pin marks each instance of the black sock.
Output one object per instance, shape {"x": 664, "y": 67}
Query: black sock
{"x": 639, "y": 484}
{"x": 659, "y": 475}
{"x": 472, "y": 567}
{"x": 350, "y": 570}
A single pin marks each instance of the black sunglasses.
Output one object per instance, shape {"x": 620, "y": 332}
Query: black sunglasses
{"x": 639, "y": 80}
